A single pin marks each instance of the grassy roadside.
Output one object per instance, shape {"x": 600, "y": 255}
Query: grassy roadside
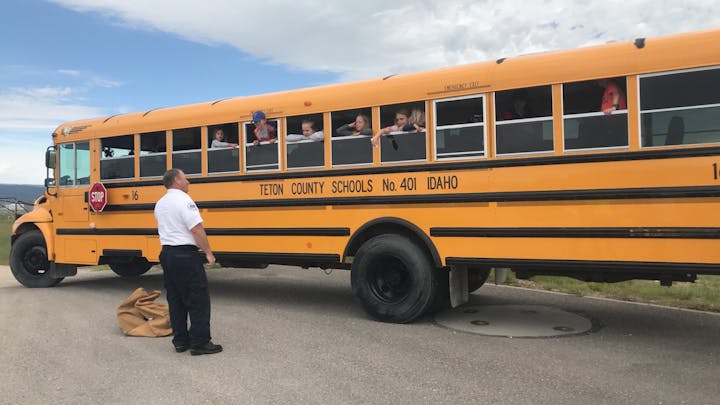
{"x": 704, "y": 294}
{"x": 5, "y": 228}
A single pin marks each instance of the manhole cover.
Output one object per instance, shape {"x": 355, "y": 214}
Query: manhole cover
{"x": 514, "y": 321}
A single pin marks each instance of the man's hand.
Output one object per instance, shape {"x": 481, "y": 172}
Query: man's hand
{"x": 210, "y": 258}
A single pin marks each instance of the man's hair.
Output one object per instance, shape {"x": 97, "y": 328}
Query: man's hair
{"x": 170, "y": 176}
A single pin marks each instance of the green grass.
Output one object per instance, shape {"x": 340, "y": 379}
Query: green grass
{"x": 704, "y": 294}
{"x": 5, "y": 228}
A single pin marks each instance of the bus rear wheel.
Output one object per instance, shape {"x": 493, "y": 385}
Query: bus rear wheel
{"x": 29, "y": 261}
{"x": 134, "y": 268}
{"x": 394, "y": 279}
{"x": 477, "y": 278}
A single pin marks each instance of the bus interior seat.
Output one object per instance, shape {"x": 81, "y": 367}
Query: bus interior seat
{"x": 676, "y": 131}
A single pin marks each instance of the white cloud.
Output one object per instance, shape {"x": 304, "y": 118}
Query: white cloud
{"x": 44, "y": 108}
{"x": 69, "y": 72}
{"x": 27, "y": 118}
{"x": 23, "y": 160}
{"x": 372, "y": 38}
{"x": 105, "y": 83}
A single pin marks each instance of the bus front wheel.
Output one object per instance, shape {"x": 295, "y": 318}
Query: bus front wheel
{"x": 29, "y": 261}
{"x": 134, "y": 268}
{"x": 394, "y": 279}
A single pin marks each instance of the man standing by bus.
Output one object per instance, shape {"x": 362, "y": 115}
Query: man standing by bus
{"x": 181, "y": 233}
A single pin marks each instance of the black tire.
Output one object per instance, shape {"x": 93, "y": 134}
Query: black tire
{"x": 476, "y": 278}
{"x": 29, "y": 261}
{"x": 134, "y": 268}
{"x": 394, "y": 279}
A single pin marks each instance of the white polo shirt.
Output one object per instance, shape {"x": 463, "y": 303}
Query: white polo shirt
{"x": 176, "y": 213}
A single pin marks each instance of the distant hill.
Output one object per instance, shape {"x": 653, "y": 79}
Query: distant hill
{"x": 22, "y": 192}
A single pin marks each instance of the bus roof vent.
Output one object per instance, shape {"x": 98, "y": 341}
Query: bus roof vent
{"x": 389, "y": 76}
{"x": 110, "y": 117}
{"x": 501, "y": 60}
{"x": 149, "y": 111}
{"x": 217, "y": 101}
{"x": 639, "y": 43}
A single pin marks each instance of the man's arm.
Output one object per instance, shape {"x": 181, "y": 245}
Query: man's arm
{"x": 200, "y": 237}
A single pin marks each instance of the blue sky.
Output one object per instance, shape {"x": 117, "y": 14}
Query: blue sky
{"x": 63, "y": 60}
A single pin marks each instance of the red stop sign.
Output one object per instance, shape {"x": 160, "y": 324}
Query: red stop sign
{"x": 97, "y": 197}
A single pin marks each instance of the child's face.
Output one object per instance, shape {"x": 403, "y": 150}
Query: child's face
{"x": 307, "y": 129}
{"x": 219, "y": 135}
{"x": 401, "y": 120}
{"x": 359, "y": 123}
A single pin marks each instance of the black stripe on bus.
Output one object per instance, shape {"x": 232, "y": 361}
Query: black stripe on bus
{"x": 509, "y": 196}
{"x": 431, "y": 167}
{"x": 279, "y": 258}
{"x": 214, "y": 231}
{"x": 122, "y": 253}
{"x": 674, "y": 233}
{"x": 558, "y": 266}
{"x": 106, "y": 231}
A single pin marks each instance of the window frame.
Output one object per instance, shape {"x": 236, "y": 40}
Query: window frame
{"x": 321, "y": 122}
{"x": 74, "y": 177}
{"x": 140, "y": 154}
{"x": 116, "y": 157}
{"x": 210, "y": 149}
{"x": 435, "y": 128}
{"x": 496, "y": 122}
{"x": 564, "y": 116}
{"x": 685, "y": 108}
{"x": 343, "y": 138}
{"x": 278, "y": 131}
{"x": 406, "y": 105}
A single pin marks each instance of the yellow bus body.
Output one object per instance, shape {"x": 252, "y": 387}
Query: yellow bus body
{"x": 649, "y": 212}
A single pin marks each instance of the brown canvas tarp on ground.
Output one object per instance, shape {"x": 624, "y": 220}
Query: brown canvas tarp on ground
{"x": 140, "y": 315}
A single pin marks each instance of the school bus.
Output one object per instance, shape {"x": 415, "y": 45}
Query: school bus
{"x": 517, "y": 164}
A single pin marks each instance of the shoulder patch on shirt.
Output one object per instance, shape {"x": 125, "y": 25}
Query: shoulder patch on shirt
{"x": 192, "y": 207}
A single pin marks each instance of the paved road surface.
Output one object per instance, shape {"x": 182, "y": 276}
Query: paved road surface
{"x": 297, "y": 336}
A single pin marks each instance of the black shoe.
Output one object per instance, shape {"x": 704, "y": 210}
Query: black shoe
{"x": 207, "y": 348}
{"x": 181, "y": 348}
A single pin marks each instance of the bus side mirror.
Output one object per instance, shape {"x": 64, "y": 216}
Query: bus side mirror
{"x": 49, "y": 182}
{"x": 50, "y": 158}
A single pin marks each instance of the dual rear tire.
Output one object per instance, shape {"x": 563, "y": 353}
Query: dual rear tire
{"x": 133, "y": 268}
{"x": 394, "y": 279}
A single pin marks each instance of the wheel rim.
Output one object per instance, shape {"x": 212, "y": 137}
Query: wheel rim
{"x": 390, "y": 280}
{"x": 35, "y": 261}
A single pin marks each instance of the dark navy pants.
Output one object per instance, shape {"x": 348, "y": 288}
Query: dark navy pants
{"x": 187, "y": 294}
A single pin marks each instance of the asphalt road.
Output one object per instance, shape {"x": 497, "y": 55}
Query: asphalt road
{"x": 297, "y": 336}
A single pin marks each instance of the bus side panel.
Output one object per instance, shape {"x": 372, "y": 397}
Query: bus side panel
{"x": 71, "y": 249}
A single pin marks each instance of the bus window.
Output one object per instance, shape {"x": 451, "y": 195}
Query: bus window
{"x": 405, "y": 138}
{"x": 592, "y": 117}
{"x": 460, "y": 127}
{"x": 264, "y": 155}
{"x": 224, "y": 156}
{"x": 117, "y": 158}
{"x": 524, "y": 120}
{"x": 66, "y": 160}
{"x": 74, "y": 164}
{"x": 680, "y": 108}
{"x": 153, "y": 160}
{"x": 352, "y": 130}
{"x": 305, "y": 138}
{"x": 82, "y": 162}
{"x": 186, "y": 150}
